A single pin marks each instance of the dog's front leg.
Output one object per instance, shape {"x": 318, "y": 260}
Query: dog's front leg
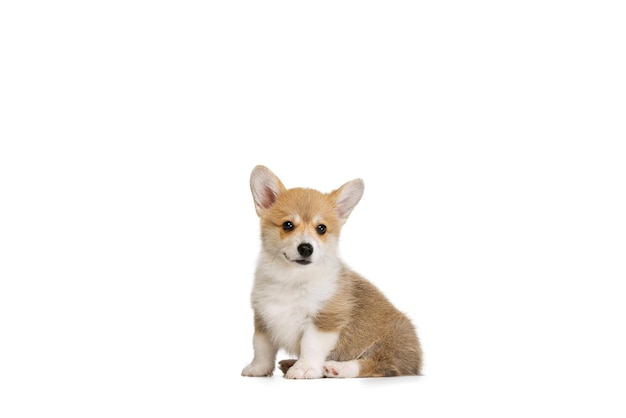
{"x": 315, "y": 346}
{"x": 264, "y": 360}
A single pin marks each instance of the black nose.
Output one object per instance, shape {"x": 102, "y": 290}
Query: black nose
{"x": 305, "y": 249}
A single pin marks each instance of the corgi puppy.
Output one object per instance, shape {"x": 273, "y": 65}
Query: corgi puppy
{"x": 307, "y": 302}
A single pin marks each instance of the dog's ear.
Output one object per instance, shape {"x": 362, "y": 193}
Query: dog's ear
{"x": 265, "y": 188}
{"x": 346, "y": 197}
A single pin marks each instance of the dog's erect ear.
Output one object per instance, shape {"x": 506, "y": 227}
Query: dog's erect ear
{"x": 347, "y": 196}
{"x": 265, "y": 188}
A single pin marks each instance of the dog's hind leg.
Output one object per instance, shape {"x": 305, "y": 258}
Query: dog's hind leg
{"x": 359, "y": 368}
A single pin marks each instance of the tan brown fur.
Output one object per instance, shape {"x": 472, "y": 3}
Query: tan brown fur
{"x": 308, "y": 206}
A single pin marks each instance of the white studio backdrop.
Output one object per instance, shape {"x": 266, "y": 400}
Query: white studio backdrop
{"x": 490, "y": 137}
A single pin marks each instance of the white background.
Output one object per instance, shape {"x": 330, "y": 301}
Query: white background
{"x": 489, "y": 136}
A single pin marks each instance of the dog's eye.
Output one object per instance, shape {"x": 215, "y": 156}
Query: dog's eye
{"x": 288, "y": 226}
{"x": 321, "y": 229}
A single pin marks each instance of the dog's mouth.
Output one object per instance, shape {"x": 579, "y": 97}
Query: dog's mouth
{"x": 301, "y": 261}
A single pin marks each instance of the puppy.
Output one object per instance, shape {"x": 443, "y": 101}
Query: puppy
{"x": 307, "y": 302}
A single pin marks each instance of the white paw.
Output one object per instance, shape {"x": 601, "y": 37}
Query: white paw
{"x": 341, "y": 368}
{"x": 257, "y": 370}
{"x": 331, "y": 369}
{"x": 304, "y": 372}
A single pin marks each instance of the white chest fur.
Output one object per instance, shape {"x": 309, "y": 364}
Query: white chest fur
{"x": 288, "y": 299}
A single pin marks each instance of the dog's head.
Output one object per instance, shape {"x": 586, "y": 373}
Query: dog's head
{"x": 301, "y": 226}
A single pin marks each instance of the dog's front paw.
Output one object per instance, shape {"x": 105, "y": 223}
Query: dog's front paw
{"x": 304, "y": 371}
{"x": 258, "y": 370}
